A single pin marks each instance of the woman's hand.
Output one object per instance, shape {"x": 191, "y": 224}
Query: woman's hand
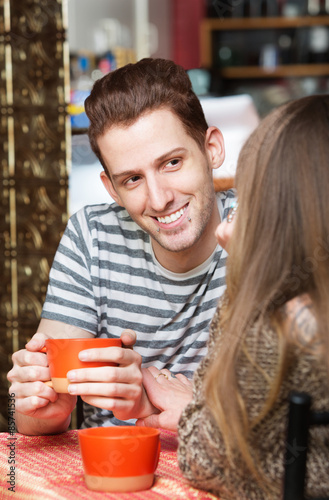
{"x": 225, "y": 229}
{"x": 169, "y": 394}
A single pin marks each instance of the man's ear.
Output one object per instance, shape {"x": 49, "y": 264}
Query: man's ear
{"x": 109, "y": 187}
{"x": 214, "y": 145}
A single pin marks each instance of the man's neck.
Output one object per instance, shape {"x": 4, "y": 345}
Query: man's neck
{"x": 182, "y": 262}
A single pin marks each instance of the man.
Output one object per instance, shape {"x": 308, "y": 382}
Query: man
{"x": 147, "y": 266}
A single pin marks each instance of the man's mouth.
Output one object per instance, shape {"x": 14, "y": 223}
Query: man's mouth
{"x": 168, "y": 219}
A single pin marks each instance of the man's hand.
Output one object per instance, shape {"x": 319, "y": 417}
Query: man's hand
{"x": 115, "y": 388}
{"x": 169, "y": 394}
{"x": 33, "y": 397}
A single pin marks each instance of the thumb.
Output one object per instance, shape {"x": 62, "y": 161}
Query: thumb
{"x": 37, "y": 342}
{"x": 150, "y": 421}
{"x": 163, "y": 420}
{"x": 128, "y": 338}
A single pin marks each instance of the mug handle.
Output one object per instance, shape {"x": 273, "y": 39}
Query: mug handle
{"x": 48, "y": 382}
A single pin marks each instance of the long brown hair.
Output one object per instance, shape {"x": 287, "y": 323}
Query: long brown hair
{"x": 122, "y": 96}
{"x": 282, "y": 223}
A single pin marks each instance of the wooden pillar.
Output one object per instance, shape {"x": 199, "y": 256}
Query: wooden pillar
{"x": 35, "y": 154}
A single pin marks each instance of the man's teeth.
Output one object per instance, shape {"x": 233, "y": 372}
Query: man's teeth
{"x": 171, "y": 218}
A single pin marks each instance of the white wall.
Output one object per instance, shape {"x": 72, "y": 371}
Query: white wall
{"x": 84, "y": 16}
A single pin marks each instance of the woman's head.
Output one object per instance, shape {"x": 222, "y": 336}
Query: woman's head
{"x": 122, "y": 96}
{"x": 281, "y": 239}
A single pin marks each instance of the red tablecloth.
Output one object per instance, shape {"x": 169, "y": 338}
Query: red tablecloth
{"x": 50, "y": 467}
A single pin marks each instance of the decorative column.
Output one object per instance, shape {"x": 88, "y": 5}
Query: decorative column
{"x": 35, "y": 154}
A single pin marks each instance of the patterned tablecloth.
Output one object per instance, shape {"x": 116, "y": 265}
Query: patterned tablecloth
{"x": 50, "y": 467}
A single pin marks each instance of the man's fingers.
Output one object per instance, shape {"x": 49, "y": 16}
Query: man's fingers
{"x": 104, "y": 374}
{"x": 38, "y": 389}
{"x": 27, "y": 358}
{"x": 121, "y": 408}
{"x": 37, "y": 342}
{"x": 121, "y": 391}
{"x": 28, "y": 374}
{"x": 128, "y": 338}
{"x": 111, "y": 355}
{"x": 28, "y": 406}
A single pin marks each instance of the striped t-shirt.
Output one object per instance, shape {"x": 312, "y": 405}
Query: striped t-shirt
{"x": 105, "y": 278}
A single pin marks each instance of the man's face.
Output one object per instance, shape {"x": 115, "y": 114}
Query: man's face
{"x": 159, "y": 174}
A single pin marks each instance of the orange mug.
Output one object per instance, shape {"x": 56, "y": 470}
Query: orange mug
{"x": 63, "y": 356}
{"x": 119, "y": 459}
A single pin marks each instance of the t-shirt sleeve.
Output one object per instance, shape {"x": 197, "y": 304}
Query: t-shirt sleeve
{"x": 70, "y": 296}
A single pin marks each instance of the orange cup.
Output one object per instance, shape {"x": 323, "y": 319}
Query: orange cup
{"x": 63, "y": 355}
{"x": 119, "y": 459}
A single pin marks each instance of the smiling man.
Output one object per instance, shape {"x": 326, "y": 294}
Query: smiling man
{"x": 146, "y": 267}
{"x": 164, "y": 181}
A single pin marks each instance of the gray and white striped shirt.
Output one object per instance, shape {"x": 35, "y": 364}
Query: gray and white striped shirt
{"x": 105, "y": 278}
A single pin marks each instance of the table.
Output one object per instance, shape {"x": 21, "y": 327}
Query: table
{"x": 50, "y": 468}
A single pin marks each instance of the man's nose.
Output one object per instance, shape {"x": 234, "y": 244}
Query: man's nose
{"x": 159, "y": 194}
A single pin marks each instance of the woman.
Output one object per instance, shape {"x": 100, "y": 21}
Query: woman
{"x": 270, "y": 334}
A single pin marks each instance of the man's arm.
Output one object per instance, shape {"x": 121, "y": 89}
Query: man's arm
{"x": 59, "y": 330}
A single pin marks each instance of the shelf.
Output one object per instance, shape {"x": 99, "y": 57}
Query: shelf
{"x": 79, "y": 131}
{"x": 292, "y": 70}
{"x": 245, "y": 23}
{"x": 209, "y": 25}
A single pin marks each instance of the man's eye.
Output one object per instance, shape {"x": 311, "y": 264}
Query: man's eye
{"x": 132, "y": 180}
{"x": 173, "y": 163}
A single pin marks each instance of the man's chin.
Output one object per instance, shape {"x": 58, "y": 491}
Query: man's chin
{"x": 174, "y": 242}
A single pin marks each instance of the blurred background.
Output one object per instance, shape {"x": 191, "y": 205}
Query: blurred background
{"x": 244, "y": 57}
{"x": 271, "y": 49}
{"x": 264, "y": 50}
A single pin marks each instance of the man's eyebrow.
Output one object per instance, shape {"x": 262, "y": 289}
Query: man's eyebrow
{"x": 171, "y": 153}
{"x": 160, "y": 159}
{"x": 126, "y": 173}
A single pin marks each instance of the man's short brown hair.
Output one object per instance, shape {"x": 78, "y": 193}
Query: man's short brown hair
{"x": 122, "y": 96}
